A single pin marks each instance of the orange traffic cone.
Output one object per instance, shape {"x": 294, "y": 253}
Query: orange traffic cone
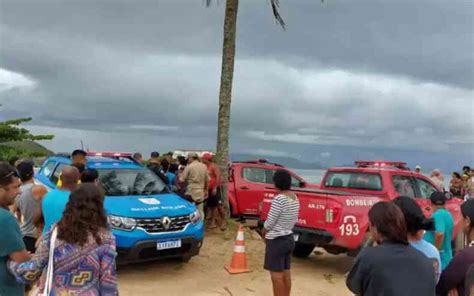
{"x": 239, "y": 259}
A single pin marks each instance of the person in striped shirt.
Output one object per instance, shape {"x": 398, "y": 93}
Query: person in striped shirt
{"x": 278, "y": 234}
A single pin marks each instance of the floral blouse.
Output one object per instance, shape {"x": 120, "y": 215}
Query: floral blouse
{"x": 87, "y": 270}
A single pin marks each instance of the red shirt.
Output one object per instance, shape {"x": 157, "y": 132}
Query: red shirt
{"x": 214, "y": 176}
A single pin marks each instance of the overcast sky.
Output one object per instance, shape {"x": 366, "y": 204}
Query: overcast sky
{"x": 382, "y": 75}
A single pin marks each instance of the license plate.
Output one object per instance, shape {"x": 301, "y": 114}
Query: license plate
{"x": 168, "y": 244}
{"x": 296, "y": 237}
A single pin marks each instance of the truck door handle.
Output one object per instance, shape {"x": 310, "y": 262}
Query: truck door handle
{"x": 428, "y": 208}
{"x": 244, "y": 188}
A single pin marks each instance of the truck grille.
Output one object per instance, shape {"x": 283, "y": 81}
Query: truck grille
{"x": 163, "y": 224}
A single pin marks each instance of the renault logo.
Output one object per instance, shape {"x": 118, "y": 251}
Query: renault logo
{"x": 166, "y": 221}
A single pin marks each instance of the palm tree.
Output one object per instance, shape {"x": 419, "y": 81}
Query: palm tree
{"x": 225, "y": 93}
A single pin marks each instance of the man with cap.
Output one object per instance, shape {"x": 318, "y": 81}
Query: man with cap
{"x": 78, "y": 158}
{"x": 79, "y": 161}
{"x": 418, "y": 169}
{"x": 216, "y": 210}
{"x": 197, "y": 178}
{"x": 169, "y": 157}
{"x": 138, "y": 157}
{"x": 155, "y": 166}
{"x": 27, "y": 202}
{"x": 444, "y": 225}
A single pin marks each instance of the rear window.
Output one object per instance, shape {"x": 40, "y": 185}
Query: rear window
{"x": 354, "y": 180}
{"x": 120, "y": 182}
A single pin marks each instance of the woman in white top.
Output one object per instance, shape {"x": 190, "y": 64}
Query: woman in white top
{"x": 278, "y": 233}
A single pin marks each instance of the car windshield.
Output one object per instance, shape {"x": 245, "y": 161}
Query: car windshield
{"x": 354, "y": 180}
{"x": 120, "y": 182}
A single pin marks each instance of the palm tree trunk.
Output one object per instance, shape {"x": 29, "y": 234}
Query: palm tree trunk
{"x": 225, "y": 94}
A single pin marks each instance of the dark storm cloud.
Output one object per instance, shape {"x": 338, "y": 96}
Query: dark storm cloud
{"x": 365, "y": 73}
{"x": 427, "y": 39}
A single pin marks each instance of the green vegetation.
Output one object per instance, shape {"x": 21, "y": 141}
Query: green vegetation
{"x": 25, "y": 149}
{"x": 11, "y": 132}
{"x": 18, "y": 141}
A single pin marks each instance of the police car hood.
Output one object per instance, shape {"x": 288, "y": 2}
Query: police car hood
{"x": 148, "y": 206}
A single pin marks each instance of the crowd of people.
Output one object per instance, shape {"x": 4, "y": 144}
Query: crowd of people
{"x": 461, "y": 185}
{"x": 60, "y": 238}
{"x": 412, "y": 254}
{"x": 195, "y": 178}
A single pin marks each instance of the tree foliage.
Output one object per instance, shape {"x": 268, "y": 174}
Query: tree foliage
{"x": 7, "y": 153}
{"x": 10, "y": 131}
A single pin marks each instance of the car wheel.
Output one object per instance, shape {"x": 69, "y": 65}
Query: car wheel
{"x": 303, "y": 250}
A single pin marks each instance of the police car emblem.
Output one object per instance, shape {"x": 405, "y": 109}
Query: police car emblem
{"x": 166, "y": 223}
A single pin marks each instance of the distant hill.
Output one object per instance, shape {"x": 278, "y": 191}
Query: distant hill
{"x": 285, "y": 161}
{"x": 29, "y": 147}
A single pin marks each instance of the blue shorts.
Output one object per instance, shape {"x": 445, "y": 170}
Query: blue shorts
{"x": 278, "y": 253}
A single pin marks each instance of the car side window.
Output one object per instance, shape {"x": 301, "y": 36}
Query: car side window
{"x": 57, "y": 172}
{"x": 255, "y": 175}
{"x": 403, "y": 185}
{"x": 48, "y": 169}
{"x": 265, "y": 176}
{"x": 426, "y": 189}
{"x": 269, "y": 178}
{"x": 295, "y": 182}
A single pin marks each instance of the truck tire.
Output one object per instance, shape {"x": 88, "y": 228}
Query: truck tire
{"x": 303, "y": 250}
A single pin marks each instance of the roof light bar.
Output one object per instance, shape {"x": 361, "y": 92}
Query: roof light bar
{"x": 381, "y": 163}
{"x": 109, "y": 154}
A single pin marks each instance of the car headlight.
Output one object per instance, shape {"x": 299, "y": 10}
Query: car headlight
{"x": 195, "y": 217}
{"x": 122, "y": 223}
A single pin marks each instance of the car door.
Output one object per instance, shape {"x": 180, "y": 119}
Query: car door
{"x": 44, "y": 174}
{"x": 408, "y": 185}
{"x": 54, "y": 178}
{"x": 297, "y": 182}
{"x": 253, "y": 185}
{"x": 425, "y": 188}
{"x": 405, "y": 185}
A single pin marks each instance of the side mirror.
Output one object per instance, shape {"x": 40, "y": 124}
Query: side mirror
{"x": 302, "y": 184}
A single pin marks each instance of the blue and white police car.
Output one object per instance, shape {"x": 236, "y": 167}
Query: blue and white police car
{"x": 148, "y": 220}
